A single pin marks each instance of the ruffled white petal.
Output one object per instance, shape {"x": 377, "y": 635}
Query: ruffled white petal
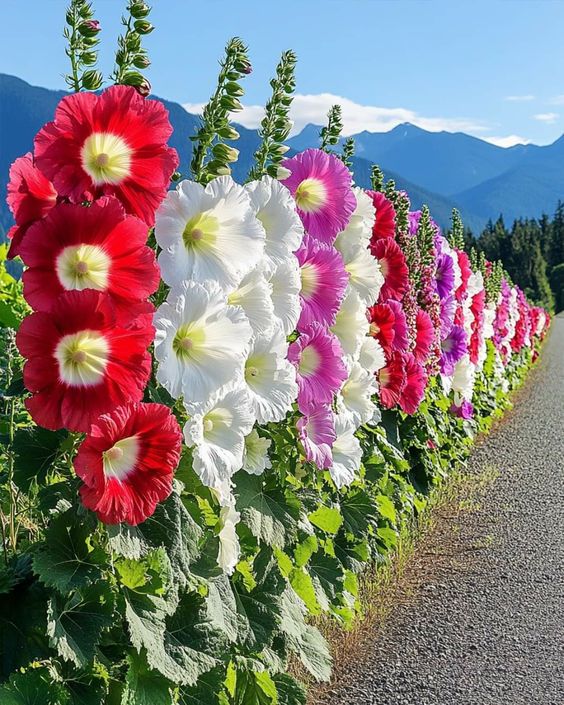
{"x": 371, "y": 356}
{"x": 351, "y": 324}
{"x": 365, "y": 274}
{"x": 354, "y": 401}
{"x": 254, "y": 296}
{"x": 255, "y": 455}
{"x": 358, "y": 231}
{"x": 229, "y": 547}
{"x": 347, "y": 453}
{"x": 286, "y": 285}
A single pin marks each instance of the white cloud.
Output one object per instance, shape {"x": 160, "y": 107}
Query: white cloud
{"x": 548, "y": 118}
{"x": 356, "y": 117}
{"x": 519, "y": 98}
{"x": 508, "y": 141}
{"x": 557, "y": 100}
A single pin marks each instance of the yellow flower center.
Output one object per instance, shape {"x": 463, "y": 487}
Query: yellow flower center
{"x": 374, "y": 329}
{"x": 106, "y": 158}
{"x": 119, "y": 460}
{"x": 200, "y": 232}
{"x": 309, "y": 361}
{"x": 82, "y": 358}
{"x": 310, "y": 280}
{"x": 83, "y": 267}
{"x": 310, "y": 195}
{"x": 187, "y": 341}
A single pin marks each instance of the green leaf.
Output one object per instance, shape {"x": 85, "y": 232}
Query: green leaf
{"x": 290, "y": 692}
{"x": 327, "y": 519}
{"x": 207, "y": 691}
{"x": 222, "y": 608}
{"x": 74, "y": 625}
{"x": 359, "y": 511}
{"x": 66, "y": 560}
{"x": 255, "y": 688}
{"x": 8, "y": 317}
{"x": 35, "y": 451}
{"x": 386, "y": 508}
{"x": 271, "y": 515}
{"x": 303, "y": 586}
{"x": 304, "y": 550}
{"x": 34, "y": 687}
{"x": 259, "y": 609}
{"x": 327, "y": 576}
{"x": 132, "y": 573}
{"x": 126, "y": 541}
{"x": 144, "y": 686}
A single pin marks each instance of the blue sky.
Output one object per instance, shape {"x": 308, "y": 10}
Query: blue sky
{"x": 494, "y": 68}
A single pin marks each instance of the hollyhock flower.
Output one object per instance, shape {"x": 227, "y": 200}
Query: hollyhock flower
{"x": 464, "y": 411}
{"x": 255, "y": 454}
{"x": 317, "y": 356}
{"x": 324, "y": 281}
{"x": 80, "y": 362}
{"x": 453, "y": 349}
{"x": 286, "y": 284}
{"x": 208, "y": 233}
{"x": 77, "y": 248}
{"x": 316, "y": 432}
{"x": 254, "y": 296}
{"x": 275, "y": 208}
{"x": 463, "y": 379}
{"x": 385, "y": 221}
{"x": 365, "y": 276}
{"x": 465, "y": 274}
{"x": 444, "y": 276}
{"x": 391, "y": 380}
{"x": 351, "y": 326}
{"x": 111, "y": 143}
{"x": 359, "y": 229}
{"x": 393, "y": 267}
{"x": 229, "y": 547}
{"x": 401, "y": 338}
{"x": 346, "y": 452}
{"x": 127, "y": 462}
{"x": 447, "y": 314}
{"x": 321, "y": 186}
{"x": 216, "y": 433}
{"x": 270, "y": 378}
{"x": 477, "y": 326}
{"x": 413, "y": 391}
{"x": 382, "y": 325}
{"x": 354, "y": 401}
{"x": 371, "y": 356}
{"x": 424, "y": 336}
{"x": 201, "y": 343}
{"x": 30, "y": 197}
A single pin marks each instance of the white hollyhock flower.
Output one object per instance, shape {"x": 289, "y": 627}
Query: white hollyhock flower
{"x": 208, "y": 233}
{"x": 347, "y": 453}
{"x": 365, "y": 274}
{"x": 200, "y": 342}
{"x": 255, "y": 455}
{"x": 216, "y": 433}
{"x": 276, "y": 210}
{"x": 229, "y": 547}
{"x": 463, "y": 380}
{"x": 286, "y": 285}
{"x": 351, "y": 324}
{"x": 254, "y": 296}
{"x": 270, "y": 377}
{"x": 359, "y": 229}
{"x": 371, "y": 356}
{"x": 354, "y": 400}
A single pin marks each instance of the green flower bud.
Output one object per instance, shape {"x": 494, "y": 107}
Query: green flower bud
{"x": 133, "y": 42}
{"x": 88, "y": 58}
{"x": 243, "y": 66}
{"x": 139, "y": 10}
{"x": 92, "y": 80}
{"x": 228, "y": 133}
{"x": 89, "y": 28}
{"x": 229, "y": 103}
{"x": 143, "y": 26}
{"x": 224, "y": 153}
{"x": 234, "y": 89}
{"x": 141, "y": 62}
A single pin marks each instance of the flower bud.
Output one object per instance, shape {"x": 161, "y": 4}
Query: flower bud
{"x": 233, "y": 89}
{"x": 228, "y": 133}
{"x": 141, "y": 62}
{"x": 282, "y": 173}
{"x": 217, "y": 168}
{"x": 222, "y": 152}
{"x": 139, "y": 10}
{"x": 138, "y": 81}
{"x": 88, "y": 58}
{"x": 86, "y": 11}
{"x": 89, "y": 28}
{"x": 92, "y": 80}
{"x": 243, "y": 66}
{"x": 133, "y": 42}
{"x": 229, "y": 103}
{"x": 143, "y": 26}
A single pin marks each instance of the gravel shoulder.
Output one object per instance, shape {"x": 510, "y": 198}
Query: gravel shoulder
{"x": 478, "y": 618}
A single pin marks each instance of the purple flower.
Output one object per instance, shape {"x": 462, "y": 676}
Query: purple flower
{"x": 448, "y": 311}
{"x": 316, "y": 431}
{"x": 445, "y": 275}
{"x": 464, "y": 411}
{"x": 453, "y": 349}
{"x": 324, "y": 280}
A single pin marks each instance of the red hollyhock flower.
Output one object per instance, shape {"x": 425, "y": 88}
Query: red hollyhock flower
{"x": 99, "y": 247}
{"x": 466, "y": 273}
{"x": 392, "y": 379}
{"x": 424, "y": 336}
{"x": 413, "y": 391}
{"x": 113, "y": 143}
{"x": 385, "y": 223}
{"x": 127, "y": 462}
{"x": 80, "y": 364}
{"x": 30, "y": 197}
{"x": 382, "y": 325}
{"x": 401, "y": 336}
{"x": 393, "y": 266}
{"x": 477, "y": 309}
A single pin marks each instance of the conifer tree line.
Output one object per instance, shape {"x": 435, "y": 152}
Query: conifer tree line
{"x": 532, "y": 253}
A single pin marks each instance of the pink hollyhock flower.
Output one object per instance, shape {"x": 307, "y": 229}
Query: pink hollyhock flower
{"x": 317, "y": 356}
{"x": 112, "y": 143}
{"x": 393, "y": 266}
{"x": 30, "y": 197}
{"x": 382, "y": 321}
{"x": 391, "y": 379}
{"x": 127, "y": 462}
{"x": 466, "y": 273}
{"x": 477, "y": 309}
{"x": 401, "y": 338}
{"x": 322, "y": 188}
{"x": 413, "y": 391}
{"x": 80, "y": 363}
{"x": 99, "y": 247}
{"x": 424, "y": 335}
{"x": 385, "y": 223}
{"x": 316, "y": 431}
{"x": 464, "y": 411}
{"x": 324, "y": 280}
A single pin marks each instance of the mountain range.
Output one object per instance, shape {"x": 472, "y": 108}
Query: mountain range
{"x": 442, "y": 169}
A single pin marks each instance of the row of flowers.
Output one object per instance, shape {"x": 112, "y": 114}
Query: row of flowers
{"x": 302, "y": 300}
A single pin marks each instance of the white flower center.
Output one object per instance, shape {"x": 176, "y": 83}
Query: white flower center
{"x": 119, "y": 460}
{"x": 187, "y": 342}
{"x": 310, "y": 280}
{"x": 82, "y": 358}
{"x": 310, "y": 195}
{"x": 83, "y": 267}
{"x": 106, "y": 158}
{"x": 309, "y": 361}
{"x": 201, "y": 231}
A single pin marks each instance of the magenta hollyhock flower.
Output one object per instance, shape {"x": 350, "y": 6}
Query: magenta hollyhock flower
{"x": 324, "y": 280}
{"x": 424, "y": 336}
{"x": 401, "y": 338}
{"x": 322, "y": 188}
{"x": 316, "y": 431}
{"x": 413, "y": 391}
{"x": 317, "y": 356}
{"x": 394, "y": 268}
{"x": 453, "y": 349}
{"x": 464, "y": 411}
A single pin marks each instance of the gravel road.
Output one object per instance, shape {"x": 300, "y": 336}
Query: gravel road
{"x": 485, "y": 623}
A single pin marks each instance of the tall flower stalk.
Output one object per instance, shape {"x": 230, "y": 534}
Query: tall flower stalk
{"x": 331, "y": 133}
{"x": 81, "y": 34}
{"x": 130, "y": 55}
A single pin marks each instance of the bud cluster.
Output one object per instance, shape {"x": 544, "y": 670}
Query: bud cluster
{"x": 215, "y": 128}
{"x": 331, "y": 133}
{"x": 377, "y": 178}
{"x": 81, "y": 33}
{"x": 275, "y": 126}
{"x": 348, "y": 152}
{"x": 456, "y": 235}
{"x": 131, "y": 57}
